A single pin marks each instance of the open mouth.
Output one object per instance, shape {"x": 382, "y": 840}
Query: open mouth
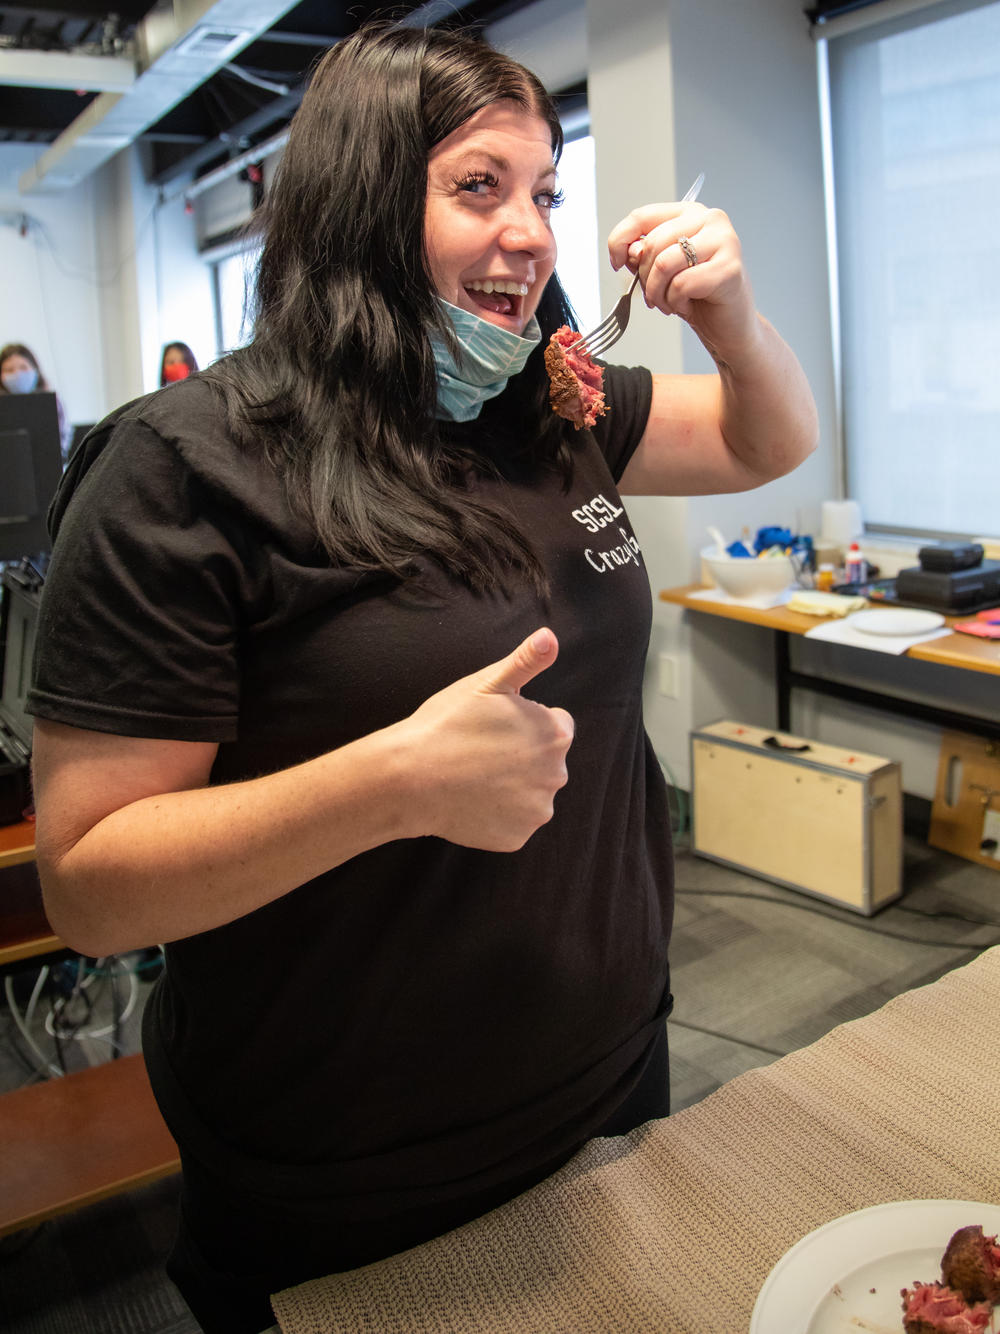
{"x": 498, "y": 298}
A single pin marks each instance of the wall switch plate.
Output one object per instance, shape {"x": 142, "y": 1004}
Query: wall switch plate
{"x": 668, "y": 675}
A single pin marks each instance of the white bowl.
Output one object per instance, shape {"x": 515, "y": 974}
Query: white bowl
{"x": 747, "y": 577}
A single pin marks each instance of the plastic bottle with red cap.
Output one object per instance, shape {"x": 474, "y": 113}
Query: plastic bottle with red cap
{"x": 854, "y": 565}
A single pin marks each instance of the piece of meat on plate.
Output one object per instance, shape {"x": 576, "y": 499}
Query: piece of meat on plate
{"x": 932, "y": 1308}
{"x": 576, "y": 383}
{"x": 971, "y": 1264}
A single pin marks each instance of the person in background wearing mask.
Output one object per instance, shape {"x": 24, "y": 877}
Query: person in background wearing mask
{"x": 20, "y": 373}
{"x": 177, "y": 364}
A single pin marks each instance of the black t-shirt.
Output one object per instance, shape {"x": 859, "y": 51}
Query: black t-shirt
{"x": 426, "y": 1019}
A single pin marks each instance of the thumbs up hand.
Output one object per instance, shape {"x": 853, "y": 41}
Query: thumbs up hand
{"x": 492, "y": 761}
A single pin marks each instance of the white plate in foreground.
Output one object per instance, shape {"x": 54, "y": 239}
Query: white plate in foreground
{"x": 846, "y": 1277}
{"x": 895, "y": 621}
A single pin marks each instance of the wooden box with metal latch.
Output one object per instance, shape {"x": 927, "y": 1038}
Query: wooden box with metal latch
{"x": 965, "y": 818}
{"x": 822, "y": 819}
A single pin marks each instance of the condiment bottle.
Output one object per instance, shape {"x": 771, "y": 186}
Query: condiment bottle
{"x": 825, "y": 578}
{"x": 854, "y": 565}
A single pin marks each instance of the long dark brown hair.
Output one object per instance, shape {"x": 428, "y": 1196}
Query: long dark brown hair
{"x": 338, "y": 384}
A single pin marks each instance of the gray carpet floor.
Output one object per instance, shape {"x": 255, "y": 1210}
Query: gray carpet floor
{"x": 758, "y": 971}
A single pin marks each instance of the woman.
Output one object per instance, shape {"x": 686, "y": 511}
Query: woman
{"x": 361, "y": 740}
{"x": 177, "y": 363}
{"x": 20, "y": 373}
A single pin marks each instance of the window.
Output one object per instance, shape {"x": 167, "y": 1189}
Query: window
{"x": 915, "y": 136}
{"x": 233, "y": 284}
{"x": 575, "y": 228}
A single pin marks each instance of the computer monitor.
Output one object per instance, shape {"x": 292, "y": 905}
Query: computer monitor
{"x": 30, "y": 468}
{"x": 20, "y": 593}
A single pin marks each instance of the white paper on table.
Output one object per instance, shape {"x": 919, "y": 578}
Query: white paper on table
{"x": 762, "y": 601}
{"x": 839, "y": 632}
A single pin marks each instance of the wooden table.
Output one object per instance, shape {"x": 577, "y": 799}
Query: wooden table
{"x": 17, "y": 843}
{"x": 674, "y": 1228}
{"x": 955, "y": 650}
{"x": 24, "y": 929}
{"x": 72, "y": 1141}
{"x": 69, "y": 1141}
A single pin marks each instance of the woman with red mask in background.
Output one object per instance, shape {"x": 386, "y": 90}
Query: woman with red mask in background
{"x": 20, "y": 373}
{"x": 177, "y": 364}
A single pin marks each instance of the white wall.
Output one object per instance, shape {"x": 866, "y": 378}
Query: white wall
{"x": 159, "y": 289}
{"x": 125, "y": 214}
{"x": 103, "y": 276}
{"x": 51, "y": 292}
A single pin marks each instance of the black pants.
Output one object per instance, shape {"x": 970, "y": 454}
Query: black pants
{"x": 225, "y": 1301}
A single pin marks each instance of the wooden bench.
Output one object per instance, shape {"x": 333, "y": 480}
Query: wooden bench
{"x": 81, "y": 1138}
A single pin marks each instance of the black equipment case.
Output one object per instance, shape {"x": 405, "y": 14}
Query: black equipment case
{"x": 951, "y": 591}
{"x": 20, "y": 594}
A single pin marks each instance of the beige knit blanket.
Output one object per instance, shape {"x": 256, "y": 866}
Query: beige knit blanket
{"x": 673, "y": 1228}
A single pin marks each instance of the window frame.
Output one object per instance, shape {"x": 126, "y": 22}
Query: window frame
{"x": 906, "y": 17}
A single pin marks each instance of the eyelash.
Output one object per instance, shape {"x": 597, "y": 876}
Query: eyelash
{"x": 555, "y": 197}
{"x": 477, "y": 178}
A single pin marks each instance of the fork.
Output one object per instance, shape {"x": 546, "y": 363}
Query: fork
{"x": 602, "y": 338}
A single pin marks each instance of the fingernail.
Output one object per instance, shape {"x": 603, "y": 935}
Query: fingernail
{"x": 541, "y": 641}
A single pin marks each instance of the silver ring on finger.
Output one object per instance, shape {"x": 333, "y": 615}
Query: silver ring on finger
{"x": 690, "y": 254}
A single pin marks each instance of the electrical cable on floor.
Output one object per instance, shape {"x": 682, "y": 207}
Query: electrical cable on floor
{"x": 29, "y": 1013}
{"x": 862, "y": 925}
{"x": 724, "y": 1037}
{"x": 954, "y": 916}
{"x": 76, "y": 1032}
{"x": 60, "y": 1056}
{"x": 60, "y": 1023}
{"x": 136, "y": 965}
{"x": 45, "y": 1066}
{"x": 71, "y": 1015}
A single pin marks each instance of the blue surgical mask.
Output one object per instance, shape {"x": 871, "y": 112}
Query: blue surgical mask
{"x": 20, "y": 382}
{"x": 488, "y": 357}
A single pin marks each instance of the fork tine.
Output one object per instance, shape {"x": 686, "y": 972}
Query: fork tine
{"x": 609, "y": 322}
{"x": 597, "y": 347}
{"x": 611, "y": 328}
{"x": 603, "y": 340}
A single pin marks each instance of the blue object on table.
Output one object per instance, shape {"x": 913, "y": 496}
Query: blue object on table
{"x": 787, "y": 541}
{"x": 738, "y": 549}
{"x": 773, "y": 537}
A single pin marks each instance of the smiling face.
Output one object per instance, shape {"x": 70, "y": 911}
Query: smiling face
{"x": 490, "y": 190}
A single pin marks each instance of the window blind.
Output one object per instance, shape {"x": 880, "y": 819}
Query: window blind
{"x": 915, "y": 130}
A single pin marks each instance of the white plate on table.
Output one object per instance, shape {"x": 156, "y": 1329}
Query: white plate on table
{"x": 895, "y": 621}
{"x": 846, "y": 1277}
